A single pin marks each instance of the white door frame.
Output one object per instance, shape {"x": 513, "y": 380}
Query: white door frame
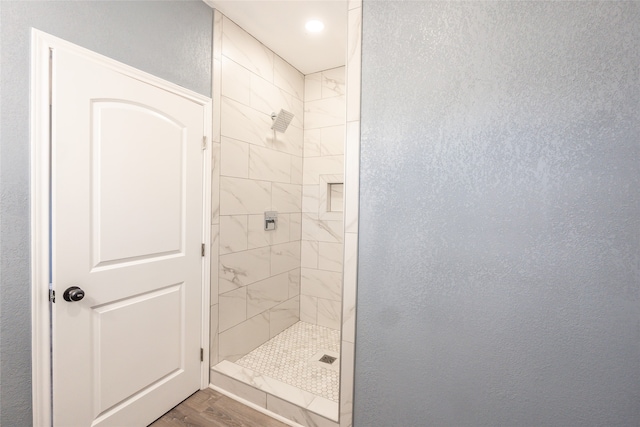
{"x": 41, "y": 45}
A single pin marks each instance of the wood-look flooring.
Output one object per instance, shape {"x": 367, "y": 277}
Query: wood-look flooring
{"x": 208, "y": 408}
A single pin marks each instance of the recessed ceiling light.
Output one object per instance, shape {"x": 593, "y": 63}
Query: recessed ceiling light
{"x": 314, "y": 26}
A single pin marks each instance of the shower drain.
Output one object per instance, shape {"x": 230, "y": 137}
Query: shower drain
{"x": 325, "y": 358}
{"x": 328, "y": 359}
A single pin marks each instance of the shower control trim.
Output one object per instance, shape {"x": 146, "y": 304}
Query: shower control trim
{"x": 270, "y": 220}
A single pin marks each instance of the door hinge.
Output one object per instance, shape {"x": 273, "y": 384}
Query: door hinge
{"x": 202, "y": 250}
{"x": 204, "y": 142}
{"x": 202, "y": 354}
{"x": 52, "y": 295}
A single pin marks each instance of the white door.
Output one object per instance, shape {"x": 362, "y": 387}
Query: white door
{"x": 127, "y": 215}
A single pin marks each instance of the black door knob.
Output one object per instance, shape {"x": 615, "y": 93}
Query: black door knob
{"x": 73, "y": 293}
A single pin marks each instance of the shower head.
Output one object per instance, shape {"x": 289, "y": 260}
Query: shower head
{"x": 281, "y": 120}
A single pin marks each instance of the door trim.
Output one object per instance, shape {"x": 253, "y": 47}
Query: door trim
{"x": 41, "y": 45}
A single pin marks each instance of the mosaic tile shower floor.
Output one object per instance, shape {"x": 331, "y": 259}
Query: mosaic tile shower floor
{"x": 289, "y": 357}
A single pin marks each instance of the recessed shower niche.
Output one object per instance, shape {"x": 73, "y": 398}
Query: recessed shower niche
{"x": 335, "y": 200}
{"x": 277, "y": 293}
{"x": 331, "y": 195}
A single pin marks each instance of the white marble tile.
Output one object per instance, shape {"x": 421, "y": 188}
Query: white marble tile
{"x": 295, "y": 138}
{"x": 238, "y": 388}
{"x": 295, "y": 227}
{"x": 293, "y": 357}
{"x": 297, "y": 108}
{"x": 324, "y": 407}
{"x": 321, "y": 230}
{"x": 333, "y": 81}
{"x": 330, "y": 256}
{"x": 244, "y": 196}
{"x": 267, "y": 293}
{"x": 269, "y": 165}
{"x": 352, "y": 178}
{"x": 242, "y": 338}
{"x": 321, "y": 284}
{"x": 329, "y": 313}
{"x": 291, "y": 141}
{"x": 265, "y": 97}
{"x": 268, "y": 98}
{"x": 294, "y": 283}
{"x": 234, "y": 158}
{"x": 312, "y": 142}
{"x": 244, "y": 123}
{"x": 283, "y": 316}
{"x": 324, "y": 193}
{"x": 330, "y": 231}
{"x": 346, "y": 383}
{"x": 236, "y": 81}
{"x": 354, "y": 55}
{"x": 233, "y": 233}
{"x": 285, "y": 257}
{"x": 217, "y": 34}
{"x": 316, "y": 166}
{"x": 332, "y": 140}
{"x": 309, "y": 250}
{"x": 216, "y": 83}
{"x": 213, "y": 335}
{"x": 310, "y": 198}
{"x": 308, "y": 309}
{"x": 265, "y": 383}
{"x": 296, "y": 169}
{"x": 286, "y": 197}
{"x": 312, "y": 86}
{"x": 281, "y": 233}
{"x": 233, "y": 308}
{"x": 243, "y": 268}
{"x": 214, "y": 251}
{"x": 240, "y": 46}
{"x": 350, "y": 283}
{"x": 287, "y": 78}
{"x": 215, "y": 182}
{"x": 324, "y": 112}
{"x": 297, "y": 414}
{"x": 258, "y": 237}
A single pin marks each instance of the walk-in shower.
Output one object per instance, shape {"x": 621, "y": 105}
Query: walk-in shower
{"x": 276, "y": 289}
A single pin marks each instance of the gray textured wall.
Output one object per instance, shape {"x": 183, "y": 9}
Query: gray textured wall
{"x": 171, "y": 39}
{"x": 499, "y": 261}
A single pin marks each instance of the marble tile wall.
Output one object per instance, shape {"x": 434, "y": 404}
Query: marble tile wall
{"x": 216, "y": 151}
{"x": 257, "y": 272}
{"x": 351, "y": 210}
{"x": 322, "y": 221}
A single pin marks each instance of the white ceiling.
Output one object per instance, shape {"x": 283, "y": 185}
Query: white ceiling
{"x": 279, "y": 24}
